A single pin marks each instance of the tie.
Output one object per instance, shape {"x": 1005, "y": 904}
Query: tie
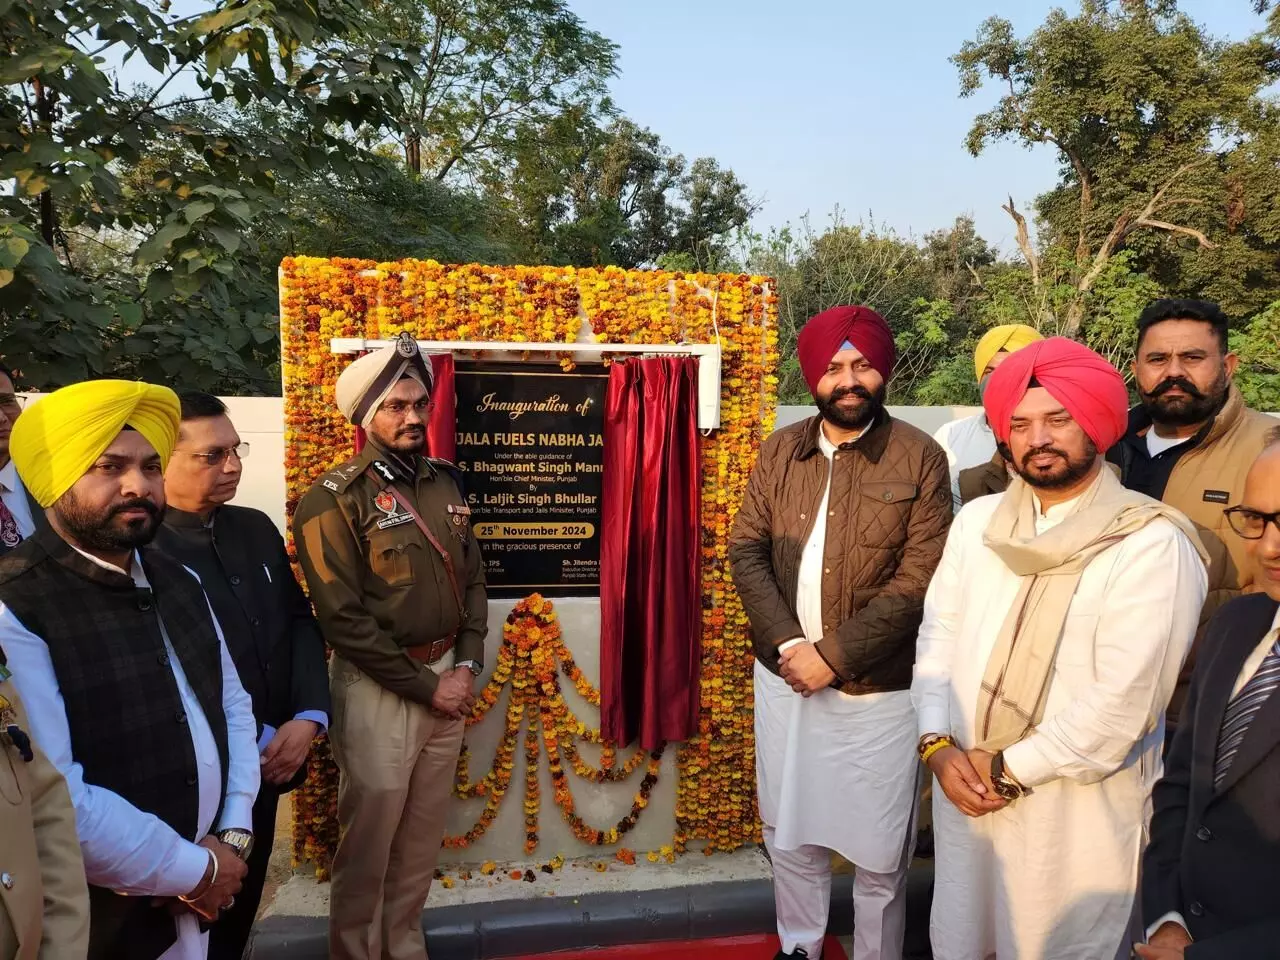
{"x": 1241, "y": 711}
{"x": 9, "y": 535}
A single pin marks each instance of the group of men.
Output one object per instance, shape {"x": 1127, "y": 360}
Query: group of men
{"x": 163, "y": 676}
{"x": 1037, "y": 654}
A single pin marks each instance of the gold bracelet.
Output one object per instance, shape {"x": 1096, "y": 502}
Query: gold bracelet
{"x": 935, "y": 747}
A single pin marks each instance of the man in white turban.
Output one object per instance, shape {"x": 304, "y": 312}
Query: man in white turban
{"x": 396, "y": 577}
{"x": 127, "y": 681}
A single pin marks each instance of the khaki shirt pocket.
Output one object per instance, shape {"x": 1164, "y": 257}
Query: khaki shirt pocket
{"x": 390, "y": 556}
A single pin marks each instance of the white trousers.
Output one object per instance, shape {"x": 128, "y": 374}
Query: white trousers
{"x": 802, "y": 898}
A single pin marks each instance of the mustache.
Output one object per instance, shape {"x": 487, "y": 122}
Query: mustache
{"x": 857, "y": 390}
{"x": 137, "y": 503}
{"x": 410, "y": 431}
{"x": 1040, "y": 451}
{"x": 1181, "y": 383}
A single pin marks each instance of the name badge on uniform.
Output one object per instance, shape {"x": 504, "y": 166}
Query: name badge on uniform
{"x": 1216, "y": 496}
{"x": 385, "y": 502}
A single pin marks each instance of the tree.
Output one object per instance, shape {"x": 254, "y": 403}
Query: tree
{"x": 173, "y": 191}
{"x": 589, "y": 195}
{"x": 1144, "y": 110}
{"x": 489, "y": 68}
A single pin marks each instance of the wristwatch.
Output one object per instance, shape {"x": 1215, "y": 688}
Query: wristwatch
{"x": 241, "y": 841}
{"x": 1006, "y": 784}
{"x": 473, "y": 665}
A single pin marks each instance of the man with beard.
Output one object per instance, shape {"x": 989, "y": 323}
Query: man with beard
{"x": 271, "y": 632}
{"x": 1052, "y": 637}
{"x": 396, "y": 577}
{"x": 129, "y": 686}
{"x": 832, "y": 551}
{"x": 1191, "y": 440}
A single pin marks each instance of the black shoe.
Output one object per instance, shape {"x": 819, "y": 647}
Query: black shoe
{"x": 798, "y": 954}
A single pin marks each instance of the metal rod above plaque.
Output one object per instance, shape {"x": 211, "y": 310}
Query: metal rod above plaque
{"x": 531, "y": 443}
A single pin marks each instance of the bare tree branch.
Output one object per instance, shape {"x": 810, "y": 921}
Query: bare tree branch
{"x": 1024, "y": 241}
{"x": 1205, "y": 242}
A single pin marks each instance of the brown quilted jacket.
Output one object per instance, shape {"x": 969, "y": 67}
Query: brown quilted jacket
{"x": 889, "y": 511}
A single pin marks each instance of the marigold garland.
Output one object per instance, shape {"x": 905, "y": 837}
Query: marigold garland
{"x": 530, "y": 659}
{"x": 322, "y": 299}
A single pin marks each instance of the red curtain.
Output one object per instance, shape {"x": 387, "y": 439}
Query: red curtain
{"x": 650, "y": 548}
{"x": 442, "y": 437}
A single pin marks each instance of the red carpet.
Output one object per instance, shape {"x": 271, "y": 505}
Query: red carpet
{"x": 726, "y": 948}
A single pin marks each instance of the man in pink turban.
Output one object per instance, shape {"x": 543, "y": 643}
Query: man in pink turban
{"x": 1052, "y": 637}
{"x": 832, "y": 551}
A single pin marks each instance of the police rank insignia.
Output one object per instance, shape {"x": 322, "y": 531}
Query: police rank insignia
{"x": 386, "y": 502}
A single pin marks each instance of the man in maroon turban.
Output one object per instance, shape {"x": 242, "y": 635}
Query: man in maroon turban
{"x": 1052, "y": 637}
{"x": 842, "y": 526}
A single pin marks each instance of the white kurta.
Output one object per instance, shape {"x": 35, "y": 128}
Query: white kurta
{"x": 834, "y": 770}
{"x": 1053, "y": 876}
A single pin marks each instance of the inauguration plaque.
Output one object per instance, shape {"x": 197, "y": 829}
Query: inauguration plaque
{"x": 531, "y": 442}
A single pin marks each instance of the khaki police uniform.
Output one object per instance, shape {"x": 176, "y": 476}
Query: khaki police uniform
{"x": 396, "y": 615}
{"x": 44, "y": 899}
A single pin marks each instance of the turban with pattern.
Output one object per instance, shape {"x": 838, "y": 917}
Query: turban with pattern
{"x": 58, "y": 438}
{"x": 1087, "y": 386}
{"x": 838, "y": 329}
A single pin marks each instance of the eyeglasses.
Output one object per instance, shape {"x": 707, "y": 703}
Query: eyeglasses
{"x": 1251, "y": 524}
{"x": 398, "y": 408}
{"x": 12, "y": 401}
{"x": 219, "y": 456}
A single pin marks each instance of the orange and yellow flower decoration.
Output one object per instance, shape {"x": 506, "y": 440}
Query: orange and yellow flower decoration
{"x": 323, "y": 299}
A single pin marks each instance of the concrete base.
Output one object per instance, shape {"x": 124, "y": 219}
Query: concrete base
{"x": 479, "y": 927}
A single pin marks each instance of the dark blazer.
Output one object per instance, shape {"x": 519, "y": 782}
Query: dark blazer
{"x": 270, "y": 630}
{"x": 37, "y": 514}
{"x": 1214, "y": 856}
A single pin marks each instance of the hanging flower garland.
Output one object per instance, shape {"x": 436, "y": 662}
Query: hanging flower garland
{"x": 530, "y": 660}
{"x": 323, "y": 299}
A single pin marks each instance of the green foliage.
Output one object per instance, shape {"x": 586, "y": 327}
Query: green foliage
{"x": 489, "y": 69}
{"x": 1258, "y": 346}
{"x": 590, "y": 195}
{"x": 174, "y": 191}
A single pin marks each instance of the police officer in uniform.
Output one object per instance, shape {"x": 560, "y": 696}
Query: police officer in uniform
{"x": 397, "y": 581}
{"x": 44, "y": 899}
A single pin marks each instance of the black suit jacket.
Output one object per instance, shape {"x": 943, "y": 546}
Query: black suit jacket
{"x": 271, "y": 632}
{"x": 1214, "y": 855}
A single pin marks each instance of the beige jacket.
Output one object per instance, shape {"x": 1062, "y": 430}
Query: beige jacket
{"x": 44, "y": 900}
{"x": 1205, "y": 481}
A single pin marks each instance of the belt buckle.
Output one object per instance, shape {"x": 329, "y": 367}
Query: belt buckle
{"x": 438, "y": 650}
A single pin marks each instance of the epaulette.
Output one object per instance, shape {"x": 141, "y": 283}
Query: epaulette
{"x": 340, "y": 477}
{"x": 452, "y": 469}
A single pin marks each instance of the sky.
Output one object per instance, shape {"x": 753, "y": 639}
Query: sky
{"x": 851, "y": 103}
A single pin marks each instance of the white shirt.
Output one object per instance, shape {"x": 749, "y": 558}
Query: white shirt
{"x": 967, "y": 442}
{"x": 14, "y": 495}
{"x": 124, "y": 848}
{"x": 1157, "y": 445}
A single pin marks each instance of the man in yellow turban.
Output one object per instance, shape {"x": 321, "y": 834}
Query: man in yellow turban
{"x": 969, "y": 441}
{"x": 129, "y": 686}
